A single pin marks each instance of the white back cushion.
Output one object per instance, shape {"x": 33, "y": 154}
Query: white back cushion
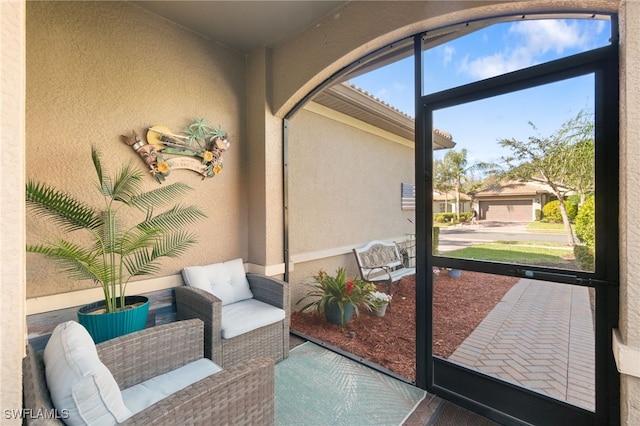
{"x": 78, "y": 381}
{"x": 239, "y": 280}
{"x": 227, "y": 281}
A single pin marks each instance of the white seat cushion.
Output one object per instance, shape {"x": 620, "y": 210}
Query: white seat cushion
{"x": 78, "y": 381}
{"x": 247, "y": 315}
{"x": 147, "y": 393}
{"x": 227, "y": 281}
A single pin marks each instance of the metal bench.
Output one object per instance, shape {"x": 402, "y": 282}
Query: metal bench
{"x": 381, "y": 263}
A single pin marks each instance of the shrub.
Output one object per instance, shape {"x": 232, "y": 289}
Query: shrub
{"x": 444, "y": 217}
{"x": 451, "y": 217}
{"x": 436, "y": 239}
{"x": 538, "y": 214}
{"x": 465, "y": 217}
{"x": 585, "y": 222}
{"x": 551, "y": 211}
{"x": 584, "y": 257}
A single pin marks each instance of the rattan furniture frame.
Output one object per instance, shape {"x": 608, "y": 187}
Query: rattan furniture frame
{"x": 271, "y": 340}
{"x": 243, "y": 394}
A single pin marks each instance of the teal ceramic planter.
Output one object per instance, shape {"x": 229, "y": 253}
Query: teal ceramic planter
{"x": 333, "y": 314}
{"x": 103, "y": 327}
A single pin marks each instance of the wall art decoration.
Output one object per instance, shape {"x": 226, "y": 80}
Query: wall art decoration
{"x": 199, "y": 149}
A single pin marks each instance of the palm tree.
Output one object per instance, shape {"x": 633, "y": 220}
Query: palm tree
{"x": 114, "y": 253}
{"x": 459, "y": 170}
{"x": 442, "y": 179}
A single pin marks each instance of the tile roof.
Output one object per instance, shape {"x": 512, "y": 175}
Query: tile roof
{"x": 513, "y": 188}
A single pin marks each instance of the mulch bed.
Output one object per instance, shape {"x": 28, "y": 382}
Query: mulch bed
{"x": 460, "y": 304}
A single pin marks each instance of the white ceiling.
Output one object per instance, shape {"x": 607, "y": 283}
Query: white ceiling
{"x": 243, "y": 25}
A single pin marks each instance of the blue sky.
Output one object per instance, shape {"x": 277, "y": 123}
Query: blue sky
{"x": 492, "y": 51}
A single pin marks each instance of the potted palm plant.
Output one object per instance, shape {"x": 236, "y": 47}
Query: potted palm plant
{"x": 115, "y": 251}
{"x": 338, "y": 297}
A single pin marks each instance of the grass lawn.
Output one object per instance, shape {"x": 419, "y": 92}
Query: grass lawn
{"x": 517, "y": 252}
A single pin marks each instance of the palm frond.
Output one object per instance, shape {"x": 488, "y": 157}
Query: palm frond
{"x": 137, "y": 239}
{"x": 60, "y": 207}
{"x": 173, "y": 245}
{"x": 160, "y": 196}
{"x": 174, "y": 218}
{"x": 74, "y": 261}
{"x": 109, "y": 233}
{"x": 126, "y": 184}
{"x": 141, "y": 262}
{"x": 95, "y": 157}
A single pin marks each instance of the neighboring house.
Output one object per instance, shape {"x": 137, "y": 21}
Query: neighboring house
{"x": 446, "y": 202}
{"x": 442, "y": 202}
{"x": 511, "y": 201}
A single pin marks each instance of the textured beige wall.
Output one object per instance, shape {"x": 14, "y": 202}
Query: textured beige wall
{"x": 96, "y": 70}
{"x": 344, "y": 185}
{"x": 344, "y": 190}
{"x": 12, "y": 121}
{"x": 264, "y": 168}
{"x": 630, "y": 201}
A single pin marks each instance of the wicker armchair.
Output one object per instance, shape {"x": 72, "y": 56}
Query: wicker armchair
{"x": 270, "y": 340}
{"x": 243, "y": 394}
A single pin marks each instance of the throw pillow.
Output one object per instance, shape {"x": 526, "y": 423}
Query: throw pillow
{"x": 78, "y": 381}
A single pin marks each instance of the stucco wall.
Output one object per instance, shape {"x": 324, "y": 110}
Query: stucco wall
{"x": 96, "y": 70}
{"x": 12, "y": 121}
{"x": 344, "y": 190}
{"x": 630, "y": 203}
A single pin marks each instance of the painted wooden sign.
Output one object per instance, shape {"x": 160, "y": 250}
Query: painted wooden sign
{"x": 200, "y": 149}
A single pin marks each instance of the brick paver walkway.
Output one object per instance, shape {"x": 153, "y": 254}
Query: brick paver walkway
{"x": 541, "y": 336}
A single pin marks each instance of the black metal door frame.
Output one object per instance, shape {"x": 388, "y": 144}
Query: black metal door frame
{"x": 491, "y": 397}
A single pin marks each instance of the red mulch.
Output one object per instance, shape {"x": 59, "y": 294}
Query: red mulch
{"x": 460, "y": 304}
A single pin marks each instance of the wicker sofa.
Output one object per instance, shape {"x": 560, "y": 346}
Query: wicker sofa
{"x": 271, "y": 340}
{"x": 243, "y": 394}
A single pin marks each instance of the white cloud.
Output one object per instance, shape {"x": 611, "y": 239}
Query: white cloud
{"x": 542, "y": 36}
{"x": 448, "y": 54}
{"x": 528, "y": 41}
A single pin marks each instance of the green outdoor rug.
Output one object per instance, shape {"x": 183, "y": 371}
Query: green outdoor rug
{"x": 315, "y": 386}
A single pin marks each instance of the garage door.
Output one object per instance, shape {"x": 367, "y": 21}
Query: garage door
{"x": 506, "y": 210}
